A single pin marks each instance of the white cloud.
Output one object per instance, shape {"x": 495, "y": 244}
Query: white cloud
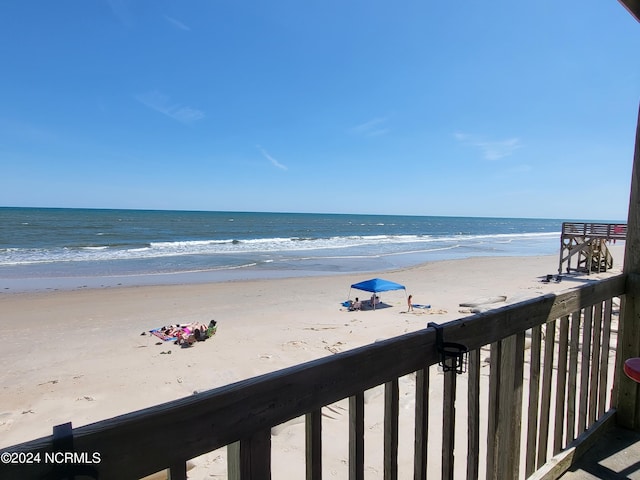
{"x": 491, "y": 149}
{"x": 161, "y": 103}
{"x": 372, "y": 128}
{"x": 177, "y": 23}
{"x": 273, "y": 161}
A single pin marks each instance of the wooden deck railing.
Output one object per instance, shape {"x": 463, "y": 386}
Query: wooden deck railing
{"x": 617, "y": 231}
{"x": 549, "y": 380}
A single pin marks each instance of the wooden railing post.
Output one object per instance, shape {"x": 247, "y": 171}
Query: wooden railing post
{"x": 626, "y": 392}
{"x": 391, "y": 412}
{"x": 574, "y": 346}
{"x": 178, "y": 470}
{"x": 250, "y": 458}
{"x": 356, "y": 436}
{"x": 534, "y": 393}
{"x": 561, "y": 386}
{"x": 473, "y": 422}
{"x": 545, "y": 400}
{"x": 448, "y": 424}
{"x": 494, "y": 408}
{"x": 313, "y": 431}
{"x": 421, "y": 425}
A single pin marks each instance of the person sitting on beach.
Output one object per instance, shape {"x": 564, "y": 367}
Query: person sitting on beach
{"x": 211, "y": 329}
{"x": 171, "y": 331}
{"x": 186, "y": 339}
{"x": 357, "y": 305}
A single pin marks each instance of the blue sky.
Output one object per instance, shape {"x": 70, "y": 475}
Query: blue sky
{"x": 500, "y": 108}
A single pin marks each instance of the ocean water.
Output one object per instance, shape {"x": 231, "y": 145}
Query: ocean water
{"x": 58, "y": 248}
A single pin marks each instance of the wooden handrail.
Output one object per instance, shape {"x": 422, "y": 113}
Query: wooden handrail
{"x": 617, "y": 231}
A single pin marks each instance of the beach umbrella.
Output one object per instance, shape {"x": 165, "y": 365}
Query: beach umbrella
{"x": 377, "y": 285}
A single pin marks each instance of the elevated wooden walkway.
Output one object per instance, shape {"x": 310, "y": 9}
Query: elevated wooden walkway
{"x": 589, "y": 242}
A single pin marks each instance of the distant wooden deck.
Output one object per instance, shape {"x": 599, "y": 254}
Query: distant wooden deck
{"x": 605, "y": 231}
{"x": 588, "y": 243}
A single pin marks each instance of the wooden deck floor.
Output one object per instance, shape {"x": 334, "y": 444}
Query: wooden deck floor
{"x": 615, "y": 456}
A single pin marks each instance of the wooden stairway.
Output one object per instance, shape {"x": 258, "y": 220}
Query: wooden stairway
{"x": 588, "y": 242}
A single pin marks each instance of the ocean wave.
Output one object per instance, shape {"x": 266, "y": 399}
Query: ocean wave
{"x": 350, "y": 246}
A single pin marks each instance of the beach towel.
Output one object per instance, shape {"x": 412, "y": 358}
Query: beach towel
{"x": 416, "y": 305}
{"x": 161, "y": 335}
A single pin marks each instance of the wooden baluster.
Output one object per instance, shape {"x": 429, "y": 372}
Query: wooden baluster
{"x": 473, "y": 421}
{"x": 177, "y": 470}
{"x": 534, "y": 393}
{"x": 604, "y": 359}
{"x": 448, "y": 423}
{"x": 595, "y": 364}
{"x": 313, "y": 448}
{"x": 250, "y": 458}
{"x": 492, "y": 426}
{"x": 545, "y": 401}
{"x": 391, "y": 411}
{"x": 584, "y": 370}
{"x": 574, "y": 344}
{"x": 421, "y": 440}
{"x": 561, "y": 385}
{"x": 356, "y": 436}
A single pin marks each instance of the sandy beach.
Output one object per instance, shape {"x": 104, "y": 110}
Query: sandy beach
{"x": 85, "y": 355}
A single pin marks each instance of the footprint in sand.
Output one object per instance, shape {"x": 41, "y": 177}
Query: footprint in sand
{"x": 335, "y": 348}
{"x": 6, "y": 421}
{"x": 296, "y": 344}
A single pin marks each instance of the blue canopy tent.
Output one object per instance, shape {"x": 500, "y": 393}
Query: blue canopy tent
{"x": 377, "y": 285}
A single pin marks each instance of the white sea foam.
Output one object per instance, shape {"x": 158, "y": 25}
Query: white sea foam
{"x": 351, "y": 246}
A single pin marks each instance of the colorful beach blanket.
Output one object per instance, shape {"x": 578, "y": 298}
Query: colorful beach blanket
{"x": 162, "y": 336}
{"x": 170, "y": 334}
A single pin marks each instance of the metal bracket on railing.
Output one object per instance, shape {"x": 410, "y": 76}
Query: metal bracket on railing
{"x": 453, "y": 356}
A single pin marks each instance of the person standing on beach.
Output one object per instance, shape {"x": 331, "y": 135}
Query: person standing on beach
{"x": 410, "y": 309}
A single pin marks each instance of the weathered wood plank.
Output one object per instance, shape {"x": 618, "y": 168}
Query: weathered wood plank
{"x": 313, "y": 447}
{"x": 494, "y": 399}
{"x": 421, "y": 439}
{"x": 518, "y": 367}
{"x": 595, "y": 363}
{"x": 356, "y": 436}
{"x": 448, "y": 424}
{"x": 628, "y": 392}
{"x": 534, "y": 393}
{"x": 178, "y": 471}
{"x": 585, "y": 369}
{"x": 391, "y": 411}
{"x": 561, "y": 384}
{"x": 250, "y": 457}
{"x": 504, "y": 432}
{"x": 574, "y": 344}
{"x": 545, "y": 401}
{"x": 604, "y": 359}
{"x": 473, "y": 415}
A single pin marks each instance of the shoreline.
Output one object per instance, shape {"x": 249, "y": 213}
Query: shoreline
{"x": 85, "y": 355}
{"x": 321, "y": 268}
